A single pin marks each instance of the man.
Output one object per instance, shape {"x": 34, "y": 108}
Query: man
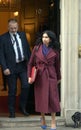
{"x": 14, "y": 56}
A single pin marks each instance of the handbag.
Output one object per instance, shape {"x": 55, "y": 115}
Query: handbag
{"x": 33, "y": 73}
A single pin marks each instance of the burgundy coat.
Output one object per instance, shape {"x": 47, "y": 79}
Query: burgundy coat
{"x": 45, "y": 87}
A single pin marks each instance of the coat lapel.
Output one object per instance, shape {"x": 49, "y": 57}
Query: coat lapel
{"x": 9, "y": 39}
{"x": 51, "y": 53}
{"x": 40, "y": 55}
{"x": 22, "y": 39}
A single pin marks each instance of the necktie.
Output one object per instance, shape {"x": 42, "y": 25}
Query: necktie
{"x": 18, "y": 48}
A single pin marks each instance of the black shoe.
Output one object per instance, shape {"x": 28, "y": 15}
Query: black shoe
{"x": 12, "y": 115}
{"x": 23, "y": 111}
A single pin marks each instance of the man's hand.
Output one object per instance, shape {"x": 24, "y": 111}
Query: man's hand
{"x": 6, "y": 72}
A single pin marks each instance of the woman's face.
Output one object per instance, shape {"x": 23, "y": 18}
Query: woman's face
{"x": 45, "y": 39}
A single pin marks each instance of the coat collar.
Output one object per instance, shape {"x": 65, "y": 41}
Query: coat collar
{"x": 40, "y": 55}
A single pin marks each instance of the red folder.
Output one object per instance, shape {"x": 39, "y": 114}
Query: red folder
{"x": 33, "y": 73}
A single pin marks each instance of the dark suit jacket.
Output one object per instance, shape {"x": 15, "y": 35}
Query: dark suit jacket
{"x": 7, "y": 54}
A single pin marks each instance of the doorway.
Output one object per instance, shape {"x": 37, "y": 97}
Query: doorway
{"x": 36, "y": 17}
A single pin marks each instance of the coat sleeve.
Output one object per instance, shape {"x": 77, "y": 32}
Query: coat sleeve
{"x": 2, "y": 55}
{"x": 31, "y": 62}
{"x": 57, "y": 66}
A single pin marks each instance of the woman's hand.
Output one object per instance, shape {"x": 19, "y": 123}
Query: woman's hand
{"x": 30, "y": 80}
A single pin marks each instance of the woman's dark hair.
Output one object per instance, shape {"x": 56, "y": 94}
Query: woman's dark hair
{"x": 53, "y": 44}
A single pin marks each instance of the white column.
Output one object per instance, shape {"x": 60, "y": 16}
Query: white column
{"x": 69, "y": 58}
{"x": 79, "y": 60}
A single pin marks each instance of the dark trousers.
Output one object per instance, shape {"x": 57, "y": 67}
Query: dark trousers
{"x": 12, "y": 87}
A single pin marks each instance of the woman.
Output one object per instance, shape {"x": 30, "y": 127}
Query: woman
{"x": 45, "y": 56}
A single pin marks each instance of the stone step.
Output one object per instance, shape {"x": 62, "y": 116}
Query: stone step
{"x": 34, "y": 121}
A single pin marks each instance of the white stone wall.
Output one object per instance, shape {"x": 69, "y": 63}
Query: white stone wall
{"x": 70, "y": 63}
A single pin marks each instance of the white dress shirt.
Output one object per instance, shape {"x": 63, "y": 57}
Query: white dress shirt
{"x": 15, "y": 47}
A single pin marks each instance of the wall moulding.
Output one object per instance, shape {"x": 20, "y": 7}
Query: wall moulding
{"x": 10, "y": 5}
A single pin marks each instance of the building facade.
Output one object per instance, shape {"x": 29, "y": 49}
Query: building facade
{"x": 30, "y": 18}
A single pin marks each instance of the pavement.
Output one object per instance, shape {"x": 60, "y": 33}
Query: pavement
{"x": 32, "y": 123}
{"x": 39, "y": 128}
